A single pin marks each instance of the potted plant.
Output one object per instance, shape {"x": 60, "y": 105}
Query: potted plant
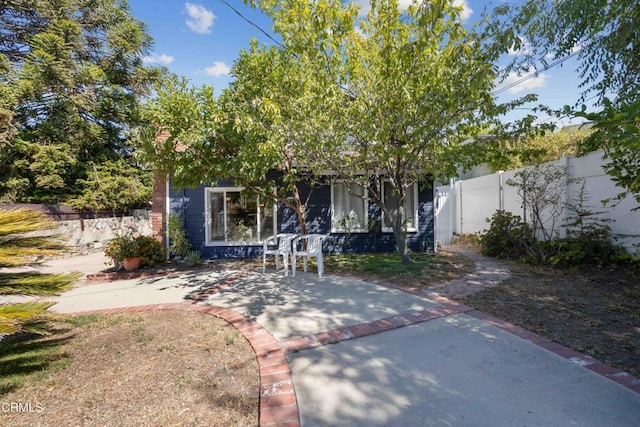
{"x": 131, "y": 254}
{"x": 125, "y": 252}
{"x": 113, "y": 250}
{"x": 134, "y": 252}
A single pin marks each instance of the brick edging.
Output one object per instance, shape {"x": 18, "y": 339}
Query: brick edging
{"x": 113, "y": 276}
{"x": 372, "y": 327}
{"x": 278, "y": 404}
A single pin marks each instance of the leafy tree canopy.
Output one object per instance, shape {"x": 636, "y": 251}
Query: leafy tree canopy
{"x": 535, "y": 149}
{"x": 71, "y": 80}
{"x": 263, "y": 122}
{"x": 603, "y": 34}
{"x": 401, "y": 89}
{"x": 390, "y": 97}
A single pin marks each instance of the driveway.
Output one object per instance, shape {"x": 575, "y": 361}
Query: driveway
{"x": 365, "y": 354}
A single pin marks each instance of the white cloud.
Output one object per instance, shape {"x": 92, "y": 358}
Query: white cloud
{"x": 365, "y": 7}
{"x": 466, "y": 10}
{"x": 162, "y": 59}
{"x": 200, "y": 19}
{"x": 524, "y": 49}
{"x": 531, "y": 83}
{"x": 219, "y": 68}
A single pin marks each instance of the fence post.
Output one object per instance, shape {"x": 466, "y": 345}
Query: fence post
{"x": 568, "y": 178}
{"x": 500, "y": 191}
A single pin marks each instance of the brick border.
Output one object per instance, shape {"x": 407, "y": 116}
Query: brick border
{"x": 278, "y": 405}
{"x": 113, "y": 276}
{"x": 372, "y": 327}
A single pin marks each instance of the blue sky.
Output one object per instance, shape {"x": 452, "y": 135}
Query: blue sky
{"x": 200, "y": 40}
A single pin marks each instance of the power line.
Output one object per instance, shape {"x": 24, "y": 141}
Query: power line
{"x": 534, "y": 74}
{"x": 495, "y": 92}
{"x": 250, "y": 22}
{"x": 562, "y": 116}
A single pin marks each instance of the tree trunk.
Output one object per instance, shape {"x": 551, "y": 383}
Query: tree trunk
{"x": 398, "y": 232}
{"x": 300, "y": 210}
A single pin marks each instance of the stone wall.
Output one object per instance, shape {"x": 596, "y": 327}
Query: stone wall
{"x": 89, "y": 235}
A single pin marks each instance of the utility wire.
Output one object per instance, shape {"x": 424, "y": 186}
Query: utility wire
{"x": 495, "y": 92}
{"x": 250, "y": 22}
{"x": 534, "y": 74}
{"x": 563, "y": 116}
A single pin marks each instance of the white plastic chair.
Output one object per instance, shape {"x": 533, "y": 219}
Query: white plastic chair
{"x": 309, "y": 245}
{"x": 278, "y": 245}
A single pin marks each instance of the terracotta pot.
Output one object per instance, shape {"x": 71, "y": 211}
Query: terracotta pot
{"x": 130, "y": 264}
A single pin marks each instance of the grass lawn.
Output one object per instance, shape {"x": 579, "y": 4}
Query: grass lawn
{"x": 426, "y": 269}
{"x": 26, "y": 359}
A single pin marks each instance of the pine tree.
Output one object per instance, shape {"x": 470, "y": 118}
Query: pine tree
{"x": 71, "y": 80}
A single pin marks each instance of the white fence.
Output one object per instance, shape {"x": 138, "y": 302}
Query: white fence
{"x": 463, "y": 207}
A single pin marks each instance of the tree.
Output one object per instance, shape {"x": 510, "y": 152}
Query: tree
{"x": 277, "y": 121}
{"x": 603, "y": 34}
{"x": 263, "y": 123}
{"x": 21, "y": 241}
{"x": 71, "y": 79}
{"x": 535, "y": 149}
{"x": 400, "y": 91}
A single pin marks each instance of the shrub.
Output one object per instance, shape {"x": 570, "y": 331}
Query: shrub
{"x": 507, "y": 237}
{"x": 588, "y": 238}
{"x": 148, "y": 248}
{"x": 178, "y": 243}
{"x": 193, "y": 258}
{"x": 587, "y": 250}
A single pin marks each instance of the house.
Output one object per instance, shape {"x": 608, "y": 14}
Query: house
{"x": 223, "y": 222}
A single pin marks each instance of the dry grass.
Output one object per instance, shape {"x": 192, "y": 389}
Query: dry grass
{"x": 152, "y": 368}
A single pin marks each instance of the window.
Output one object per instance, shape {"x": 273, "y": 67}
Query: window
{"x": 410, "y": 206}
{"x": 233, "y": 217}
{"x": 348, "y": 207}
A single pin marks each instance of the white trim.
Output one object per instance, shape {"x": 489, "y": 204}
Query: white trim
{"x": 208, "y": 221}
{"x": 334, "y": 220}
{"x": 415, "y": 228}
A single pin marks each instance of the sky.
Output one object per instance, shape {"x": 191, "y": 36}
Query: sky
{"x": 200, "y": 40}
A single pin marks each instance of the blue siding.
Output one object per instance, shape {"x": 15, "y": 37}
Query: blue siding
{"x": 189, "y": 203}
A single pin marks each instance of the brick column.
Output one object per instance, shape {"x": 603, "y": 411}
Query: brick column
{"x": 159, "y": 207}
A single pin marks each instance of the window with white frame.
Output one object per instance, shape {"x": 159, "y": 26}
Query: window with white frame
{"x": 348, "y": 207}
{"x": 390, "y": 197}
{"x": 236, "y": 218}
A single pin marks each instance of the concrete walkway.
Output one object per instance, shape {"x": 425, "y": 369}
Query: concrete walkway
{"x": 363, "y": 354}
